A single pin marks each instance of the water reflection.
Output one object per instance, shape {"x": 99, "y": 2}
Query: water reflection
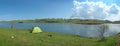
{"x": 68, "y": 28}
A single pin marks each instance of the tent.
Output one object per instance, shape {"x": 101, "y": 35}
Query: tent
{"x": 36, "y": 30}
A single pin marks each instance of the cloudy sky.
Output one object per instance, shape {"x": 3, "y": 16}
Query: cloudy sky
{"x": 97, "y": 9}
{"x": 83, "y": 9}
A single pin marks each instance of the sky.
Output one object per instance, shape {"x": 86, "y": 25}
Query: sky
{"x": 38, "y": 9}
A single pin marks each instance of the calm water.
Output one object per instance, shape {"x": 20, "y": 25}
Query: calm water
{"x": 67, "y": 28}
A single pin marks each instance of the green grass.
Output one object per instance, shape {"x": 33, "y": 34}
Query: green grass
{"x": 24, "y": 38}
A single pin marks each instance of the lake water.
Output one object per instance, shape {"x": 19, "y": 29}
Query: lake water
{"x": 68, "y": 28}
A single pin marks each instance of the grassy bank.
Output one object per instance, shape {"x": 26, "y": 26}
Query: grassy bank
{"x": 24, "y": 38}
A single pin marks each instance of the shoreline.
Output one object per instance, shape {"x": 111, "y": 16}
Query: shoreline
{"x": 24, "y": 38}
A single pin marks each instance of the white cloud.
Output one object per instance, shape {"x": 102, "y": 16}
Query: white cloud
{"x": 96, "y": 10}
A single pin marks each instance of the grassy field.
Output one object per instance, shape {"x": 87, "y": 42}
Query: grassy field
{"x": 22, "y": 37}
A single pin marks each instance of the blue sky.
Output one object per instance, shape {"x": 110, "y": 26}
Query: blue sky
{"x": 37, "y": 9}
{"x": 33, "y": 9}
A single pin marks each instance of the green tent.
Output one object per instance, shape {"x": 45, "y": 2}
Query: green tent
{"x": 36, "y": 30}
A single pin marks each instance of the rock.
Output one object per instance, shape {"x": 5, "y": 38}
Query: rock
{"x": 12, "y": 37}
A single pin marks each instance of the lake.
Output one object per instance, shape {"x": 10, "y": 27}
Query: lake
{"x": 68, "y": 28}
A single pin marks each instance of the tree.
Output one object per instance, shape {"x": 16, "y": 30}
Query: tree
{"x": 102, "y": 29}
{"x": 11, "y": 23}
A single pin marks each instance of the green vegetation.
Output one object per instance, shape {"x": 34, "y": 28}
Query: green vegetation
{"x": 22, "y": 37}
{"x": 60, "y": 20}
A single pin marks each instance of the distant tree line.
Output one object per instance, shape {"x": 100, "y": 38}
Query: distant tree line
{"x": 61, "y": 20}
